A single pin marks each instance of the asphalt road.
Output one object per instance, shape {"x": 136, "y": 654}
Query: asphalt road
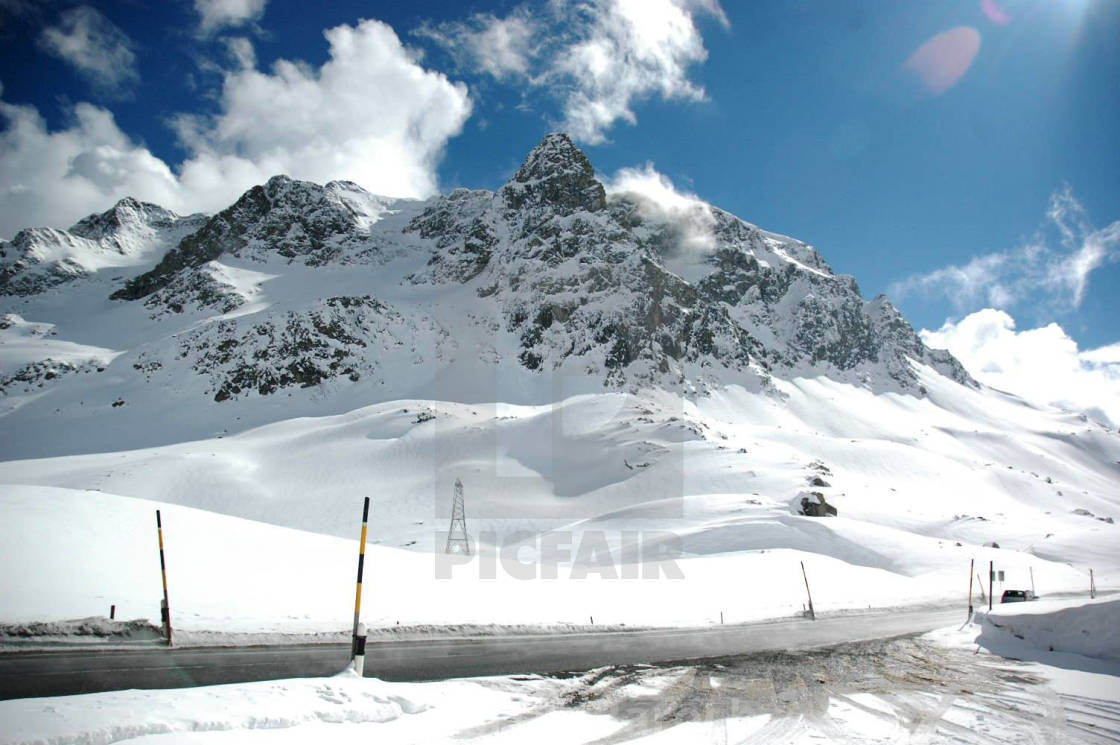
{"x": 71, "y": 671}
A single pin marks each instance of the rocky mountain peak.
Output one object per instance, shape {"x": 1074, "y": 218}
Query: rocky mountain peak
{"x": 555, "y": 174}
{"x": 127, "y": 213}
{"x": 284, "y": 218}
{"x": 124, "y": 235}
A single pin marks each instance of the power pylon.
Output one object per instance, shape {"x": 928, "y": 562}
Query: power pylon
{"x": 457, "y": 539}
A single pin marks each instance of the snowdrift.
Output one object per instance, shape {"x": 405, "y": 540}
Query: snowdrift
{"x": 1091, "y": 629}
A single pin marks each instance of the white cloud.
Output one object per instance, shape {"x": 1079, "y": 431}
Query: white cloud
{"x": 53, "y": 178}
{"x": 1042, "y": 365}
{"x": 599, "y": 56}
{"x": 215, "y": 14}
{"x": 95, "y": 46}
{"x": 632, "y": 49}
{"x": 241, "y": 51}
{"x": 657, "y": 198}
{"x": 1057, "y": 262}
{"x": 500, "y": 47}
{"x": 370, "y": 114}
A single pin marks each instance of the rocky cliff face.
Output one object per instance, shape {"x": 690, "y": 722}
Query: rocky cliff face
{"x": 296, "y": 284}
{"x": 578, "y": 275}
{"x": 296, "y": 220}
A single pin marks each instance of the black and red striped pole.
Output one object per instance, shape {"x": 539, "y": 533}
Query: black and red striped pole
{"x": 165, "y": 606}
{"x": 358, "y": 591}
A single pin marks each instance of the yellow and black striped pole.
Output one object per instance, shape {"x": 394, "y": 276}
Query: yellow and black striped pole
{"x": 165, "y": 609}
{"x": 358, "y": 591}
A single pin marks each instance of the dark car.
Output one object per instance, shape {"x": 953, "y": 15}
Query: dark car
{"x": 1017, "y": 596}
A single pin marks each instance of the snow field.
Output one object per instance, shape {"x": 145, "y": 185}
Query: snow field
{"x": 584, "y": 487}
{"x": 79, "y": 552}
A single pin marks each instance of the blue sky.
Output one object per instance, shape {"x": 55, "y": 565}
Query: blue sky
{"x": 960, "y": 154}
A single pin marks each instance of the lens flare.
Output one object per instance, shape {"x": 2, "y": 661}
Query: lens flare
{"x": 942, "y": 60}
{"x": 994, "y": 12}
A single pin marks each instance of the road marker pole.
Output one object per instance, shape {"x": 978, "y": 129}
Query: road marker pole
{"x": 165, "y": 606}
{"x": 812, "y": 613}
{"x": 1092, "y": 585}
{"x": 1032, "y": 580}
{"x": 991, "y": 579}
{"x": 112, "y": 612}
{"x": 358, "y": 591}
{"x": 360, "y": 650}
{"x": 971, "y": 570}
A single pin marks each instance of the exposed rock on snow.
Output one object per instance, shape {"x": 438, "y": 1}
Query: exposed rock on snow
{"x": 814, "y": 505}
{"x": 337, "y": 337}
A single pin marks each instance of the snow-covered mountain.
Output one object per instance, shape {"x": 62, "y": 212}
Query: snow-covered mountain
{"x": 581, "y": 359}
{"x": 130, "y": 234}
{"x": 296, "y": 285}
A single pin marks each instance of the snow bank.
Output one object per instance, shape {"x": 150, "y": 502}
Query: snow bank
{"x": 1091, "y": 629}
{"x": 122, "y": 715}
{"x": 92, "y": 629}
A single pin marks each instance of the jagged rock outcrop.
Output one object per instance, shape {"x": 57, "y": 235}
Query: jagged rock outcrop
{"x": 579, "y": 276}
{"x": 112, "y": 228}
{"x": 341, "y": 337}
{"x": 284, "y": 217}
{"x": 556, "y": 176}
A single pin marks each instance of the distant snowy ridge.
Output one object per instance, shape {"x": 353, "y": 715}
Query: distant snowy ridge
{"x": 126, "y": 235}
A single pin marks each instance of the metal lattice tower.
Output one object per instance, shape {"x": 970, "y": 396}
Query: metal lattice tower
{"x": 457, "y": 539}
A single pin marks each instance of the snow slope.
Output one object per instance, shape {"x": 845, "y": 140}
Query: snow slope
{"x": 586, "y": 488}
{"x": 235, "y": 576}
{"x": 607, "y": 391}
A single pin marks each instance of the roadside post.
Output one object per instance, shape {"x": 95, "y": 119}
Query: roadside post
{"x": 991, "y": 580}
{"x": 812, "y": 613}
{"x": 360, "y": 650}
{"x": 164, "y": 606}
{"x": 971, "y": 568}
{"x": 358, "y": 591}
{"x": 1092, "y": 585}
